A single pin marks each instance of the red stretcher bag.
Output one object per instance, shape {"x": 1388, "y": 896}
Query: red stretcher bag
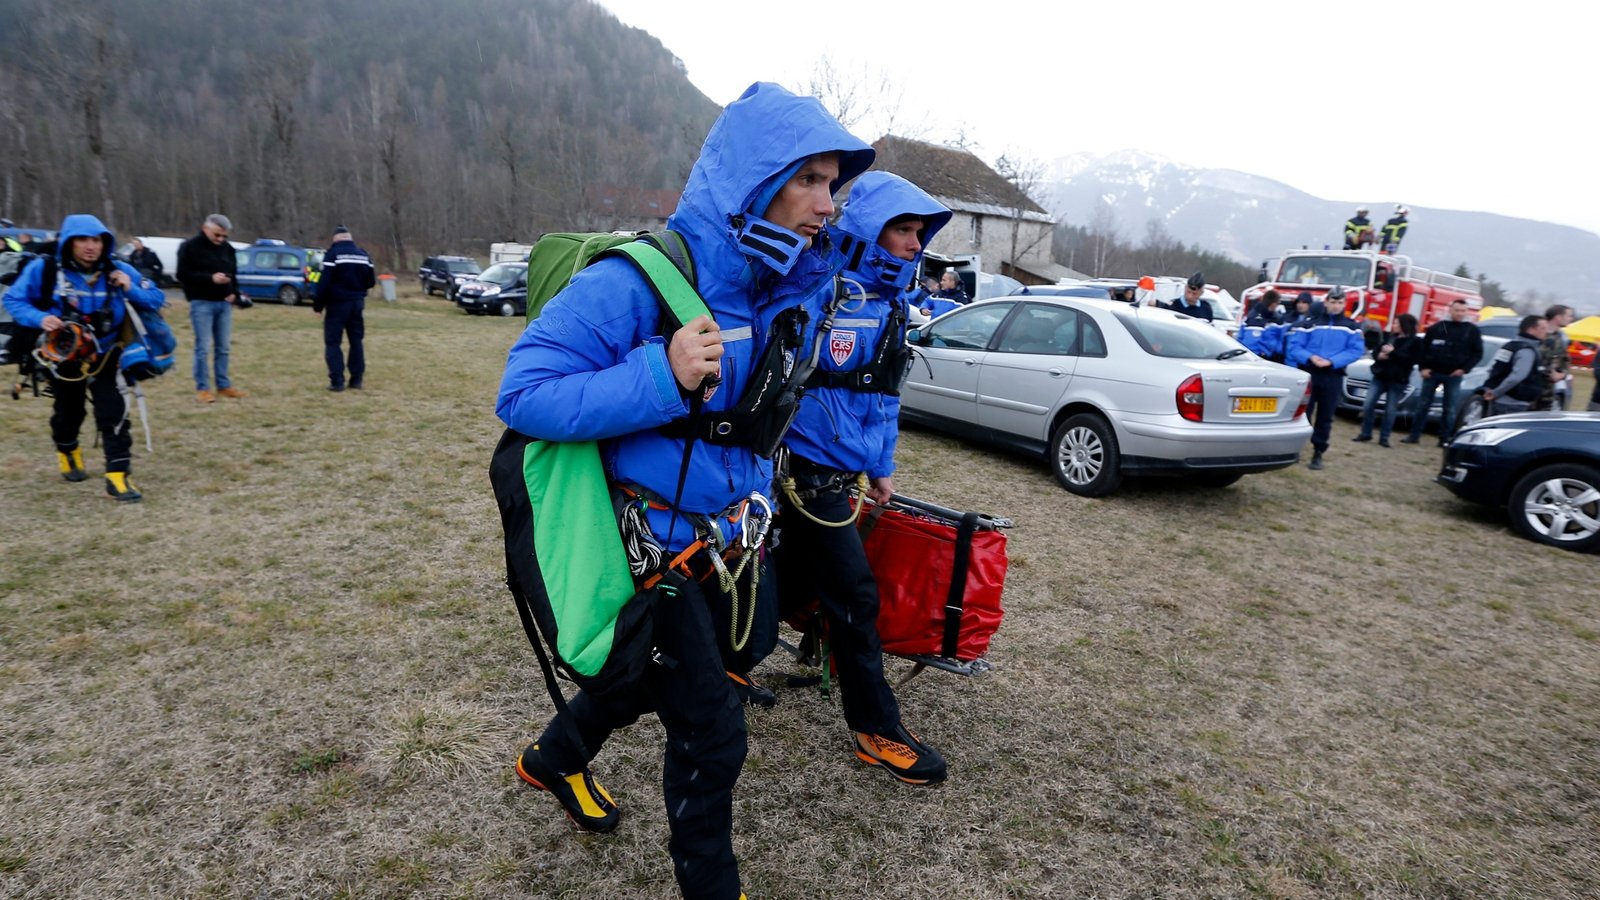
{"x": 940, "y": 573}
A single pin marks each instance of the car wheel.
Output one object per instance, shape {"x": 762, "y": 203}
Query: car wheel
{"x": 507, "y": 308}
{"x": 1084, "y": 456}
{"x": 1215, "y": 479}
{"x": 288, "y": 296}
{"x": 1558, "y": 505}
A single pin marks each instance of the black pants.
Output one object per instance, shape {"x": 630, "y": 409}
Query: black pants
{"x": 340, "y": 318}
{"x": 110, "y": 412}
{"x": 1325, "y": 389}
{"x": 689, "y": 692}
{"x": 829, "y": 565}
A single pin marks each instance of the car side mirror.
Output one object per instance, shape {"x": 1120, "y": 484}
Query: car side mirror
{"x": 914, "y": 336}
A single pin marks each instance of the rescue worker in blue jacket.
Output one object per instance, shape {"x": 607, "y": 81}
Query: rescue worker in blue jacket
{"x": 88, "y": 297}
{"x": 339, "y": 296}
{"x": 846, "y": 432}
{"x": 1323, "y": 344}
{"x": 595, "y": 366}
{"x": 1260, "y": 333}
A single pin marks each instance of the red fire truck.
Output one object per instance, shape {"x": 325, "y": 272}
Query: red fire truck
{"x": 1378, "y": 286}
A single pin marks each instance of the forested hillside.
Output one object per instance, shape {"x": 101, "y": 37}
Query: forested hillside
{"x": 425, "y": 126}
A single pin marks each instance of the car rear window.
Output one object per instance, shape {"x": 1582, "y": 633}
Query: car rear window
{"x": 463, "y": 265}
{"x": 1176, "y": 338}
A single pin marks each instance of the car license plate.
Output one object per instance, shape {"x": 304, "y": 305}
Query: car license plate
{"x": 1255, "y": 404}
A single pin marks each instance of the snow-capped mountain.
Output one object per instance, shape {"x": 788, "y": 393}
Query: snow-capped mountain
{"x": 1252, "y": 218}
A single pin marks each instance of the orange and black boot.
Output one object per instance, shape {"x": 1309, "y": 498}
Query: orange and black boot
{"x": 71, "y": 463}
{"x": 121, "y": 489}
{"x": 752, "y": 694}
{"x": 587, "y": 804}
{"x": 902, "y": 754}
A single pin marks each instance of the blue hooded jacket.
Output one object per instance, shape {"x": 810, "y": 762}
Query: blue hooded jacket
{"x": 74, "y": 288}
{"x": 593, "y": 365}
{"x": 840, "y": 428}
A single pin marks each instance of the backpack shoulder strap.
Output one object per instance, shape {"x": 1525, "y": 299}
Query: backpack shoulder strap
{"x": 664, "y": 262}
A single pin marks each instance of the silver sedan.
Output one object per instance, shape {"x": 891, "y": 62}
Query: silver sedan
{"x": 1103, "y": 389}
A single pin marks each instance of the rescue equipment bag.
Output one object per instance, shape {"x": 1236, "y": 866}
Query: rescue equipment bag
{"x": 565, "y": 563}
{"x": 940, "y": 573}
{"x": 148, "y": 344}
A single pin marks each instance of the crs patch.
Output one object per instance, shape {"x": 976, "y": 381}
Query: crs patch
{"x": 840, "y": 345}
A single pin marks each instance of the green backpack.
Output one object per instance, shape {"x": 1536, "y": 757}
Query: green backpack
{"x": 565, "y": 562}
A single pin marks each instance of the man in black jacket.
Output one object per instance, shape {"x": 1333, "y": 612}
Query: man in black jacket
{"x": 1449, "y": 349}
{"x": 208, "y": 272}
{"x": 147, "y": 262}
{"x": 341, "y": 295}
{"x": 1519, "y": 375}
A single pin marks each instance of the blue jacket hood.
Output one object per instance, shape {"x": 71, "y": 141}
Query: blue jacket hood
{"x": 756, "y": 140}
{"x": 83, "y": 225}
{"x": 875, "y": 199}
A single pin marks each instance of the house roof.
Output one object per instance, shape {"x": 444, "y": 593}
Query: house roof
{"x": 957, "y": 178}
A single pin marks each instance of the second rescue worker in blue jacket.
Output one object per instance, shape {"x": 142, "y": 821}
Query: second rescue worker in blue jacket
{"x": 848, "y": 424}
{"x": 594, "y": 366}
{"x": 1323, "y": 344}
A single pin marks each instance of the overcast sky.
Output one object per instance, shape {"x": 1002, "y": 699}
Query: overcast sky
{"x": 1488, "y": 107}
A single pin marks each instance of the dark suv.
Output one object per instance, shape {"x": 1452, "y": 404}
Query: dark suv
{"x": 446, "y": 273}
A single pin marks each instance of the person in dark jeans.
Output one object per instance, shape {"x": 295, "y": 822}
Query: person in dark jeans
{"x": 1391, "y": 374}
{"x": 341, "y": 297}
{"x": 1449, "y": 349}
{"x": 209, "y": 274}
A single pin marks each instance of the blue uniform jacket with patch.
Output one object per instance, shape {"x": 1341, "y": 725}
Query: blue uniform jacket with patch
{"x": 594, "y": 365}
{"x": 1334, "y": 338}
{"x": 837, "y": 427}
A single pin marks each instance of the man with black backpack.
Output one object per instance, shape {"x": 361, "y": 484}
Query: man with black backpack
{"x": 78, "y": 300}
{"x": 599, "y": 365}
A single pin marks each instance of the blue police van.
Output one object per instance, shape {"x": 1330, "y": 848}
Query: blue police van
{"x": 274, "y": 270}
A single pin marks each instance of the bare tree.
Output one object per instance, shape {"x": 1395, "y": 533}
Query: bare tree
{"x": 77, "y": 53}
{"x": 1026, "y": 175}
{"x": 1103, "y": 241}
{"x": 1160, "y": 252}
{"x": 862, "y": 96}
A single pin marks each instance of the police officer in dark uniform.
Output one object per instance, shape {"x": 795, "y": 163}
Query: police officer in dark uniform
{"x": 1190, "y": 303}
{"x": 1323, "y": 344}
{"x": 1517, "y": 379}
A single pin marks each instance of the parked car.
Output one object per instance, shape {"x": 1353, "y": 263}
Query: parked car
{"x": 502, "y": 288}
{"x": 273, "y": 270}
{"x": 1543, "y": 467}
{"x": 1103, "y": 389}
{"x": 1358, "y": 380}
{"x": 446, "y": 273}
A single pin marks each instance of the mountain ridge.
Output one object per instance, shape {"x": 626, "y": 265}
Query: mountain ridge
{"x": 1251, "y": 218}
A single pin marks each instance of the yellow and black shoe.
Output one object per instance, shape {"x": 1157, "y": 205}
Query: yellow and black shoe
{"x": 71, "y": 463}
{"x": 587, "y": 804}
{"x": 902, "y": 754}
{"x": 752, "y": 694}
{"x": 121, "y": 489}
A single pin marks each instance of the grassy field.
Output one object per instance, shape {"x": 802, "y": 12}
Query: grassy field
{"x": 294, "y": 670}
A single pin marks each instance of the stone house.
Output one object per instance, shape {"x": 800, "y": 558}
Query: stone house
{"x": 992, "y": 218}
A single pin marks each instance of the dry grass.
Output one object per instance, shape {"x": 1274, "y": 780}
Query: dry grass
{"x": 295, "y": 671}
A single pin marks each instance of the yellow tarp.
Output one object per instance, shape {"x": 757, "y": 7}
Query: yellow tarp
{"x": 1489, "y": 312}
{"x": 1585, "y": 330}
